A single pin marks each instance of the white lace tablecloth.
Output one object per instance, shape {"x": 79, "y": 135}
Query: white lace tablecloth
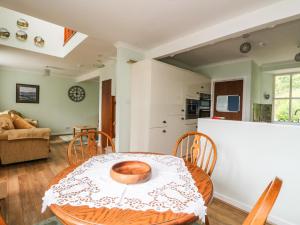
{"x": 171, "y": 186}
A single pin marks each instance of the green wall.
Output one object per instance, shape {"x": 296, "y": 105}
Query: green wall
{"x": 55, "y": 109}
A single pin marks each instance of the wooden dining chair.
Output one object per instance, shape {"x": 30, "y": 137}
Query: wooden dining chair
{"x": 259, "y": 214}
{"x": 87, "y": 144}
{"x": 199, "y": 149}
{"x": 2, "y": 222}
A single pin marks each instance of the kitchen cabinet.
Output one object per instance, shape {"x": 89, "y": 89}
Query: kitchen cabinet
{"x": 159, "y": 140}
{"x": 158, "y": 94}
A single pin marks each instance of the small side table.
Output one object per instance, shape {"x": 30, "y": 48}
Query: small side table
{"x": 83, "y": 128}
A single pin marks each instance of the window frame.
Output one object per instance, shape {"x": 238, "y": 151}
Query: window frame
{"x": 289, "y": 98}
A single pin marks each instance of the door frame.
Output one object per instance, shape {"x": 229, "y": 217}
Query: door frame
{"x": 246, "y": 109}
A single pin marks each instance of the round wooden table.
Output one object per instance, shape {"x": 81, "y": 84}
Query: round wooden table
{"x": 83, "y": 215}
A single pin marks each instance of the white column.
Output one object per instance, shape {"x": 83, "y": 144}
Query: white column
{"x": 125, "y": 52}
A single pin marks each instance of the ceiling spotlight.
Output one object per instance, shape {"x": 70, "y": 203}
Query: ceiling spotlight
{"x": 297, "y": 57}
{"x": 245, "y": 47}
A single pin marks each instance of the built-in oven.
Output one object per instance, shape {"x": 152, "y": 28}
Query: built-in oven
{"x": 191, "y": 109}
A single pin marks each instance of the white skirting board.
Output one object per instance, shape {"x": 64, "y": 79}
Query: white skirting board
{"x": 247, "y": 208}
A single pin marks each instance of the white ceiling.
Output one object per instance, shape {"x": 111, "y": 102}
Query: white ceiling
{"x": 141, "y": 23}
{"x": 280, "y": 45}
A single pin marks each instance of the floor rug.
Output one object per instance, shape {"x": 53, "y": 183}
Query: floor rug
{"x": 50, "y": 221}
{"x": 66, "y": 138}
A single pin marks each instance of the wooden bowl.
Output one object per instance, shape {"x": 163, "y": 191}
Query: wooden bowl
{"x": 130, "y": 172}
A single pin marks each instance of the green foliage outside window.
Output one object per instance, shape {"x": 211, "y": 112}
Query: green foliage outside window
{"x": 287, "y": 98}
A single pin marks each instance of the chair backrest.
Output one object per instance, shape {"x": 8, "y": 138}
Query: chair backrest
{"x": 87, "y": 144}
{"x": 259, "y": 214}
{"x": 197, "y": 148}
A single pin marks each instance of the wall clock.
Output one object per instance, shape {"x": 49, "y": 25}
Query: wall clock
{"x": 76, "y": 93}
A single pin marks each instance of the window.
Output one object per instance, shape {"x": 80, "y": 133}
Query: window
{"x": 287, "y": 98}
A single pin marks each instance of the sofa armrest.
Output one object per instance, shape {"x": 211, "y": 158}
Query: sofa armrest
{"x": 17, "y": 134}
{"x": 3, "y": 135}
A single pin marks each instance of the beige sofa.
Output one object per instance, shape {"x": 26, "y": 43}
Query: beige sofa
{"x": 19, "y": 145}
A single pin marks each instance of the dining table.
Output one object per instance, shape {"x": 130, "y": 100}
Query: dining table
{"x": 85, "y": 215}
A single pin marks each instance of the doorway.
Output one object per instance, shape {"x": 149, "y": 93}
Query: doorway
{"x": 107, "y": 110}
{"x": 229, "y": 88}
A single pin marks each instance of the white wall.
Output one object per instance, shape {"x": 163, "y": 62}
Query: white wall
{"x": 267, "y": 85}
{"x": 123, "y": 95}
{"x": 232, "y": 70}
{"x": 250, "y": 155}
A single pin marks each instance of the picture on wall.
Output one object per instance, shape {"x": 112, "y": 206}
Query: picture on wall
{"x": 27, "y": 93}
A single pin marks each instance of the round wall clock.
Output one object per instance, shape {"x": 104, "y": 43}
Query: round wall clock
{"x": 76, "y": 93}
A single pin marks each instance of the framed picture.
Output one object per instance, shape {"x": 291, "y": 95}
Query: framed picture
{"x": 26, "y": 93}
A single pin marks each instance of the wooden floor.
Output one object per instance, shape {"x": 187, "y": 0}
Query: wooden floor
{"x": 28, "y": 181}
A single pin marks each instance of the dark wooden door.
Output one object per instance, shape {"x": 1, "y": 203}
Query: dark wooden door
{"x": 234, "y": 87}
{"x": 107, "y": 110}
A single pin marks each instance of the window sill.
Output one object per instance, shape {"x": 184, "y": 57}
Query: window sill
{"x": 286, "y": 123}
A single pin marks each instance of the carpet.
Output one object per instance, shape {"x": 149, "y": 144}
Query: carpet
{"x": 66, "y": 138}
{"x": 50, "y": 221}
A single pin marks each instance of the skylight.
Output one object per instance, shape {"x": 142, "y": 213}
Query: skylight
{"x": 26, "y": 32}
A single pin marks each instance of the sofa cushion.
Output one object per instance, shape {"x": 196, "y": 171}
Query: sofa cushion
{"x": 5, "y": 122}
{"x": 12, "y": 112}
{"x": 32, "y": 122}
{"x": 20, "y": 123}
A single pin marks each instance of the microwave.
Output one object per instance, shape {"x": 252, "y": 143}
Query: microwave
{"x": 205, "y": 100}
{"x": 204, "y": 103}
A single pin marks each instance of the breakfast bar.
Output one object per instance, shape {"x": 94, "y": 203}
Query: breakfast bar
{"x": 245, "y": 163}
